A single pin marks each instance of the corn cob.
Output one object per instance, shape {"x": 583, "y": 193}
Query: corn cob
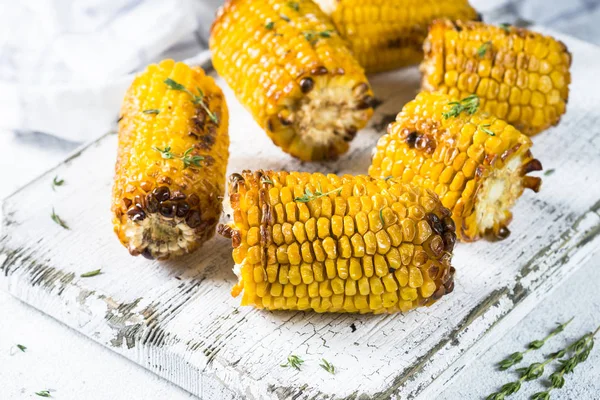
{"x": 338, "y": 244}
{"x": 172, "y": 157}
{"x": 289, "y": 67}
{"x": 475, "y": 162}
{"x": 389, "y": 34}
{"x": 520, "y": 76}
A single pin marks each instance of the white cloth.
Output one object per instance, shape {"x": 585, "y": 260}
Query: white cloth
{"x": 65, "y": 65}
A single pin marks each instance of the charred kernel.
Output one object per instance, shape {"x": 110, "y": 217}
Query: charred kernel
{"x": 449, "y": 224}
{"x": 449, "y": 240}
{"x": 162, "y": 193}
{"x": 167, "y": 209}
{"x": 193, "y": 200}
{"x": 434, "y": 246}
{"x": 360, "y": 90}
{"x": 411, "y": 139}
{"x": 151, "y": 203}
{"x": 178, "y": 195}
{"x": 182, "y": 210}
{"x": 136, "y": 214}
{"x": 533, "y": 165}
{"x": 319, "y": 71}
{"x": 127, "y": 202}
{"x": 146, "y": 253}
{"x": 306, "y": 85}
{"x": 435, "y": 223}
{"x": 503, "y": 233}
{"x": 194, "y": 219}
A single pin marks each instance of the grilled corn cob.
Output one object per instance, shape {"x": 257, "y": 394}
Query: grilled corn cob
{"x": 338, "y": 244}
{"x": 289, "y": 67}
{"x": 475, "y": 162}
{"x": 520, "y": 76}
{"x": 172, "y": 156}
{"x": 388, "y": 34}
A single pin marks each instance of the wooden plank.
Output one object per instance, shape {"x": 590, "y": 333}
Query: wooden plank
{"x": 177, "y": 319}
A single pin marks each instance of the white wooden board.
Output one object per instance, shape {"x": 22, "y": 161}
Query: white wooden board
{"x": 177, "y": 318}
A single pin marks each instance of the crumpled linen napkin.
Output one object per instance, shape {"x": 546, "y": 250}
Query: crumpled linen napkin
{"x": 65, "y": 65}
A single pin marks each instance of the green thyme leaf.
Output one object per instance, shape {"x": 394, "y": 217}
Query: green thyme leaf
{"x": 284, "y": 17}
{"x": 165, "y": 153}
{"x": 188, "y": 160}
{"x": 470, "y": 104}
{"x": 293, "y": 5}
{"x": 21, "y": 347}
{"x": 270, "y": 25}
{"x": 58, "y": 220}
{"x": 482, "y": 50}
{"x": 381, "y": 217}
{"x": 56, "y": 182}
{"x": 196, "y": 98}
{"x": 486, "y": 128}
{"x": 294, "y": 362}
{"x": 265, "y": 179}
{"x": 327, "y": 366}
{"x": 387, "y": 178}
{"x": 91, "y": 273}
{"x": 505, "y": 27}
{"x": 549, "y": 172}
{"x": 151, "y": 111}
{"x": 44, "y": 393}
{"x": 309, "y": 196}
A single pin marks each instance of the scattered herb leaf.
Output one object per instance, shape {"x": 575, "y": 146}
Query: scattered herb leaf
{"x": 196, "y": 98}
{"x": 188, "y": 160}
{"x": 44, "y": 393}
{"x": 483, "y": 49}
{"x": 313, "y": 36}
{"x": 270, "y": 25}
{"x": 293, "y": 5}
{"x": 485, "y": 128}
{"x": 381, "y": 217}
{"x": 327, "y": 366}
{"x": 21, "y": 347}
{"x": 293, "y": 361}
{"x": 165, "y": 153}
{"x": 57, "y": 182}
{"x": 505, "y": 27}
{"x": 387, "y": 178}
{"x": 549, "y": 172}
{"x": 284, "y": 17}
{"x": 265, "y": 179}
{"x": 151, "y": 111}
{"x": 58, "y": 220}
{"x": 470, "y": 104}
{"x": 310, "y": 196}
{"x": 91, "y": 273}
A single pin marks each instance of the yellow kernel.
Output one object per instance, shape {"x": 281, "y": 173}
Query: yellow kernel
{"x": 393, "y": 258}
{"x": 342, "y": 268}
{"x": 330, "y": 247}
{"x": 390, "y": 283}
{"x": 313, "y": 289}
{"x": 325, "y": 289}
{"x": 318, "y": 251}
{"x": 306, "y": 273}
{"x": 323, "y": 227}
{"x": 383, "y": 242}
{"x": 337, "y": 226}
{"x": 415, "y": 277}
{"x": 358, "y": 245}
{"x": 276, "y": 289}
{"x": 337, "y": 285}
{"x": 311, "y": 229}
{"x": 402, "y": 276}
{"x": 348, "y": 226}
{"x": 389, "y": 299}
{"x": 362, "y": 222}
{"x": 350, "y": 289}
{"x": 381, "y": 266}
{"x": 355, "y": 269}
{"x": 370, "y": 243}
{"x": 376, "y": 285}
{"x": 288, "y": 290}
{"x": 294, "y": 275}
{"x": 408, "y": 229}
{"x": 330, "y": 268}
{"x": 368, "y": 267}
{"x": 363, "y": 286}
{"x": 408, "y": 293}
{"x": 375, "y": 302}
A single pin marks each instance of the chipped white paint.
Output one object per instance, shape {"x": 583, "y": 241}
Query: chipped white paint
{"x": 176, "y": 318}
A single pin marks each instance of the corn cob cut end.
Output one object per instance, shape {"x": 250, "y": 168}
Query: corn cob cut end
{"x": 362, "y": 245}
{"x": 476, "y": 163}
{"x": 520, "y": 76}
{"x": 172, "y": 157}
{"x": 320, "y": 123}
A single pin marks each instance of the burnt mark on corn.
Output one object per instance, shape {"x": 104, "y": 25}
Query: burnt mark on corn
{"x": 319, "y": 71}
{"x": 531, "y": 166}
{"x": 411, "y": 139}
{"x": 235, "y": 180}
{"x": 306, "y": 85}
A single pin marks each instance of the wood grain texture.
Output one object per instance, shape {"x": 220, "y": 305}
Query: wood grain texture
{"x": 177, "y": 318}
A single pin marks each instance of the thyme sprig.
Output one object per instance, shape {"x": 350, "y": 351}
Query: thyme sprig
{"x": 270, "y": 25}
{"x": 56, "y": 182}
{"x": 310, "y": 196}
{"x": 44, "y": 393}
{"x": 196, "y": 98}
{"x": 505, "y": 27}
{"x": 91, "y": 273}
{"x": 327, "y": 366}
{"x": 294, "y": 362}
{"x": 483, "y": 49}
{"x": 486, "y": 129}
{"x": 58, "y": 220}
{"x": 188, "y": 160}
{"x": 581, "y": 351}
{"x": 151, "y": 111}
{"x": 515, "y": 358}
{"x": 470, "y": 104}
{"x": 21, "y": 347}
